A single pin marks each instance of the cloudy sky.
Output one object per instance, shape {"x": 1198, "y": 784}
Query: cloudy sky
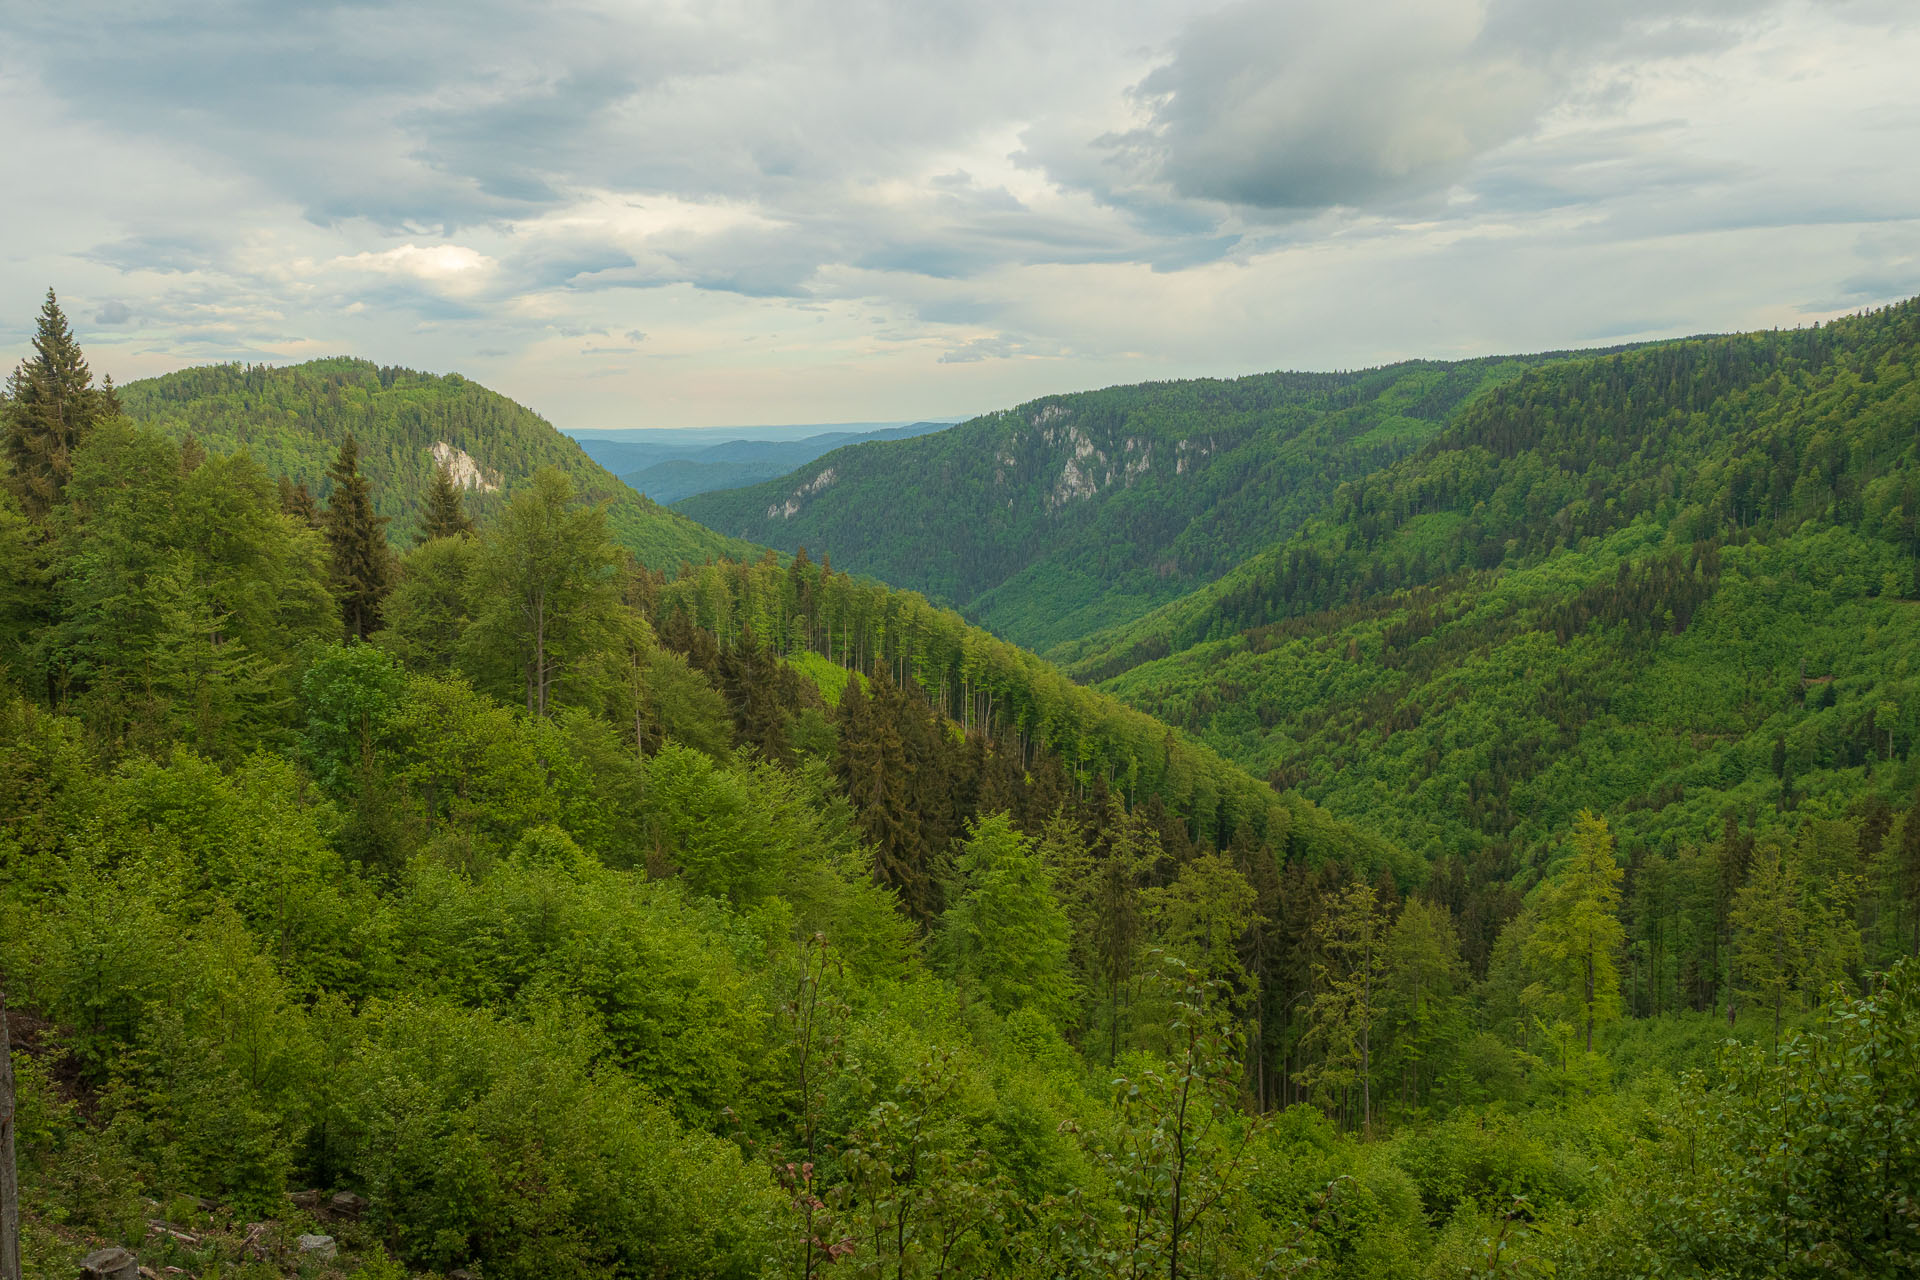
{"x": 703, "y": 212}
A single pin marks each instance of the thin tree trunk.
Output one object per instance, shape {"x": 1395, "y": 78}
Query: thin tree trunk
{"x": 1589, "y": 994}
{"x": 9, "y": 1180}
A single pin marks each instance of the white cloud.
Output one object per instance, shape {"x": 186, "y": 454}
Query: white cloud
{"x": 453, "y": 268}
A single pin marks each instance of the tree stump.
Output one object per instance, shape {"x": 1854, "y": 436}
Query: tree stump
{"x": 110, "y": 1264}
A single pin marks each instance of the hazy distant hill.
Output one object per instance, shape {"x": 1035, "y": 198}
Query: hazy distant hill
{"x": 681, "y": 463}
{"x": 292, "y": 419}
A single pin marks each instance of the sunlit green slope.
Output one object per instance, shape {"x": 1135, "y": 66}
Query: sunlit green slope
{"x": 293, "y": 419}
{"x": 1671, "y": 583}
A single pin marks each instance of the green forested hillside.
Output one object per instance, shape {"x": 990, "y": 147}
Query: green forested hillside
{"x": 293, "y": 419}
{"x": 1077, "y": 512}
{"x": 1676, "y": 584}
{"x": 588, "y": 920}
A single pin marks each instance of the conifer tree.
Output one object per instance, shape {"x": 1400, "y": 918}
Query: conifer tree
{"x": 1119, "y": 911}
{"x": 362, "y": 564}
{"x": 1907, "y": 877}
{"x": 50, "y": 407}
{"x": 296, "y": 500}
{"x": 445, "y": 515}
{"x": 871, "y": 762}
{"x": 762, "y": 692}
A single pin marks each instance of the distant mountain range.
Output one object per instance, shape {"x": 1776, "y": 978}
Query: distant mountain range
{"x": 671, "y": 464}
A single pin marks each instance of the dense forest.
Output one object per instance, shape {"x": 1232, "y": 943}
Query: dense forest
{"x": 1079, "y": 512}
{"x": 1676, "y": 585}
{"x": 292, "y": 421}
{"x": 485, "y": 902}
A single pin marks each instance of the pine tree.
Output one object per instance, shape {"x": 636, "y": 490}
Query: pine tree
{"x": 445, "y": 515}
{"x": 362, "y": 564}
{"x": 50, "y": 408}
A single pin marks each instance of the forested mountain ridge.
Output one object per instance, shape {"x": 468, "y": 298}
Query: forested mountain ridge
{"x": 293, "y": 418}
{"x": 1076, "y": 512}
{"x": 1674, "y": 584}
{"x": 508, "y": 908}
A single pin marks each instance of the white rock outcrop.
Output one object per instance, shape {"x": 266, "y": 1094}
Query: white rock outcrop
{"x": 791, "y": 507}
{"x": 465, "y": 471}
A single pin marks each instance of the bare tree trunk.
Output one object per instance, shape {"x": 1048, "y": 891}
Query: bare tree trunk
{"x": 1589, "y": 995}
{"x": 9, "y": 1180}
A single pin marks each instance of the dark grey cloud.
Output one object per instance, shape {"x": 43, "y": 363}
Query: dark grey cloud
{"x": 173, "y": 252}
{"x": 1301, "y": 105}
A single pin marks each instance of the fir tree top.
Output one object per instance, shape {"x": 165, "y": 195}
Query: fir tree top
{"x": 446, "y": 514}
{"x": 50, "y": 408}
{"x": 362, "y": 564}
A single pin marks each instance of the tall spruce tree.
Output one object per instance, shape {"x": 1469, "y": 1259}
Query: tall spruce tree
{"x": 362, "y": 564}
{"x": 50, "y": 407}
{"x": 871, "y": 763}
{"x": 445, "y": 515}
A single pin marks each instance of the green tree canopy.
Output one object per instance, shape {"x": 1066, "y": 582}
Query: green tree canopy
{"x": 548, "y": 588}
{"x": 1006, "y": 935}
